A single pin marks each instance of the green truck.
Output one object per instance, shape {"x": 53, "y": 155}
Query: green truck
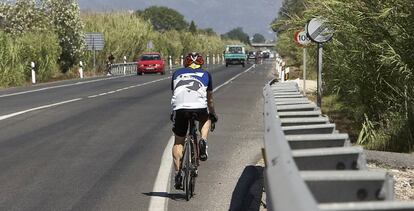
{"x": 235, "y": 54}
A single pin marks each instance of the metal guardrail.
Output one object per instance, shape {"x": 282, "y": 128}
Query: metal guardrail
{"x": 310, "y": 166}
{"x": 129, "y": 68}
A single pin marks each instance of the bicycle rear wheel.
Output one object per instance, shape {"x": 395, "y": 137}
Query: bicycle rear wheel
{"x": 186, "y": 168}
{"x": 194, "y": 164}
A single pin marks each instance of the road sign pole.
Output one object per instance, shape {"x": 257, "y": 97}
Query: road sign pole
{"x": 94, "y": 58}
{"x": 319, "y": 82}
{"x": 304, "y": 71}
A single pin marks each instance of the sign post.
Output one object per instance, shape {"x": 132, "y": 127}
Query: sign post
{"x": 319, "y": 32}
{"x": 302, "y": 39}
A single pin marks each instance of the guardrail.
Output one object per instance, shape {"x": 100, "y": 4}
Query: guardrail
{"x": 310, "y": 166}
{"x": 124, "y": 68}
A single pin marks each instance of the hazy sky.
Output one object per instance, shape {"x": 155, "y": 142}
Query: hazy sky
{"x": 221, "y": 15}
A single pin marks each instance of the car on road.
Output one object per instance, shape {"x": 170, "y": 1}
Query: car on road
{"x": 150, "y": 62}
{"x": 251, "y": 55}
{"x": 235, "y": 54}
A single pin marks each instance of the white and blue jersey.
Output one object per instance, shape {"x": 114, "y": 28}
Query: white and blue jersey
{"x": 190, "y": 88}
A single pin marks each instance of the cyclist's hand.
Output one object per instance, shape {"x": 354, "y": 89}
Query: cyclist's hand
{"x": 213, "y": 117}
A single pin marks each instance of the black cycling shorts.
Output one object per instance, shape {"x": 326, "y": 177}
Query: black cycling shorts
{"x": 182, "y": 116}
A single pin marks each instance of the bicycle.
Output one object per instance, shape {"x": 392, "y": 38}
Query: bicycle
{"x": 191, "y": 161}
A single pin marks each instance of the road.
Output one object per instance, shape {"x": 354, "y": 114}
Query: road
{"x": 97, "y": 144}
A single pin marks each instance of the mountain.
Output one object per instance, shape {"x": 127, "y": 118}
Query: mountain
{"x": 221, "y": 15}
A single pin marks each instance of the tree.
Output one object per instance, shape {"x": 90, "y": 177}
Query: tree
{"x": 21, "y": 17}
{"x": 289, "y": 9}
{"x": 208, "y": 31}
{"x": 192, "y": 28}
{"x": 65, "y": 16}
{"x": 237, "y": 34}
{"x": 258, "y": 38}
{"x": 163, "y": 18}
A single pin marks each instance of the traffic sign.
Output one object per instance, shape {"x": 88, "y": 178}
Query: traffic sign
{"x": 301, "y": 38}
{"x": 94, "y": 41}
{"x": 318, "y": 30}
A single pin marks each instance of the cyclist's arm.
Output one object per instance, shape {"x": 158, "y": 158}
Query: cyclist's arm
{"x": 210, "y": 102}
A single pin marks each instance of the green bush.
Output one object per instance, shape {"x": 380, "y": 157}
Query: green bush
{"x": 128, "y": 35}
{"x": 368, "y": 63}
{"x": 41, "y": 48}
{"x": 12, "y": 70}
{"x": 44, "y": 50}
{"x": 124, "y": 34}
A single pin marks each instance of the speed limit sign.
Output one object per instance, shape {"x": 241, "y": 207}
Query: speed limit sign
{"x": 301, "y": 38}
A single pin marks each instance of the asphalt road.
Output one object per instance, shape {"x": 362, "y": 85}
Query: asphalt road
{"x": 97, "y": 144}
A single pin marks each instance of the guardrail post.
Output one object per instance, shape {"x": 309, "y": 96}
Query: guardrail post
{"x": 32, "y": 65}
{"x": 182, "y": 60}
{"x": 81, "y": 69}
{"x": 125, "y": 61}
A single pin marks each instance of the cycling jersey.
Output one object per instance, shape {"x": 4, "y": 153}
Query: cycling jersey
{"x": 190, "y": 88}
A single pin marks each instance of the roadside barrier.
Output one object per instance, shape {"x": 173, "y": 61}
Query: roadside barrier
{"x": 310, "y": 166}
{"x": 124, "y": 68}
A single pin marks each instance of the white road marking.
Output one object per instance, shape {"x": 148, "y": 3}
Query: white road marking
{"x": 60, "y": 86}
{"x": 37, "y": 108}
{"x": 232, "y": 79}
{"x": 129, "y": 87}
{"x": 162, "y": 181}
{"x": 69, "y": 101}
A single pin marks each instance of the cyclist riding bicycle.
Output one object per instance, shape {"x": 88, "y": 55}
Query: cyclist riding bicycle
{"x": 192, "y": 93}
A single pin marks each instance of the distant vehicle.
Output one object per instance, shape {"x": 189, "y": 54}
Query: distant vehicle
{"x": 251, "y": 55}
{"x": 235, "y": 54}
{"x": 150, "y": 62}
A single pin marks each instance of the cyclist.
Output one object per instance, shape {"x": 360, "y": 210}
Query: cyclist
{"x": 192, "y": 93}
{"x": 109, "y": 62}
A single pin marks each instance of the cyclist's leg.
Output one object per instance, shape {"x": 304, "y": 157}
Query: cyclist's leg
{"x": 204, "y": 127}
{"x": 177, "y": 151}
{"x": 204, "y": 123}
{"x": 180, "y": 131}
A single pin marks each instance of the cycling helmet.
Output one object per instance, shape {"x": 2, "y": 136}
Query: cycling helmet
{"x": 193, "y": 58}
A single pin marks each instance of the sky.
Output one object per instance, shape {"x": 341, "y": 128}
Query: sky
{"x": 254, "y": 16}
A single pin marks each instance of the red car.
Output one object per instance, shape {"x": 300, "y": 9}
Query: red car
{"x": 150, "y": 63}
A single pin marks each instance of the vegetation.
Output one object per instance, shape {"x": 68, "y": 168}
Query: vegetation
{"x": 237, "y": 34}
{"x": 65, "y": 16}
{"x": 368, "y": 65}
{"x": 26, "y": 36}
{"x": 258, "y": 38}
{"x": 163, "y": 18}
{"x": 192, "y": 28}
